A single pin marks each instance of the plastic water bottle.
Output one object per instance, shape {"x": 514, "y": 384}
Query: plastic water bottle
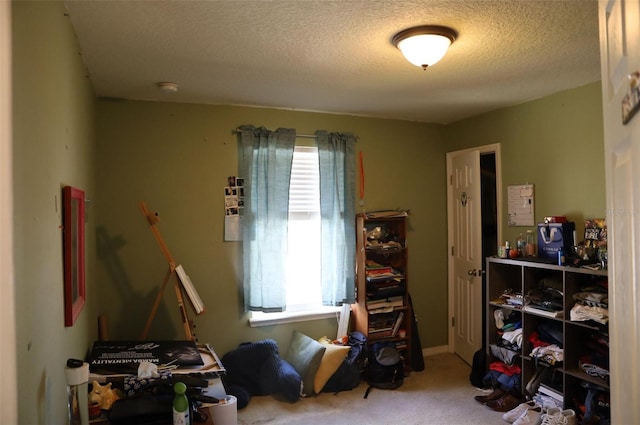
{"x": 561, "y": 258}
{"x": 520, "y": 245}
{"x": 180, "y": 405}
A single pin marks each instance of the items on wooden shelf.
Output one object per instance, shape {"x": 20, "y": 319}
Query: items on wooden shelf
{"x": 555, "y": 333}
{"x": 382, "y": 311}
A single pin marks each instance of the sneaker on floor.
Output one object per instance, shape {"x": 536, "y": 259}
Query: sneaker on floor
{"x": 530, "y": 417}
{"x": 517, "y": 411}
{"x": 553, "y": 417}
{"x": 570, "y": 416}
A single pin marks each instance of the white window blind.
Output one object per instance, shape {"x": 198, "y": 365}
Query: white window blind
{"x": 304, "y": 192}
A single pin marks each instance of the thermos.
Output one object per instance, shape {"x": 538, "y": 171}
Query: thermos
{"x": 77, "y": 373}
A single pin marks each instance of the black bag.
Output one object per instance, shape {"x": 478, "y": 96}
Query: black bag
{"x": 478, "y": 368}
{"x": 347, "y": 376}
{"x": 385, "y": 367}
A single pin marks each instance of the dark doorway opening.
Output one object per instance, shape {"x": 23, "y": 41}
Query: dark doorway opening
{"x": 489, "y": 207}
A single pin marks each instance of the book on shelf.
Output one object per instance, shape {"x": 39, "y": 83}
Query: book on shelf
{"x": 380, "y": 333}
{"x": 387, "y": 213}
{"x": 377, "y": 270}
{"x": 384, "y": 277}
{"x": 550, "y": 392}
{"x": 380, "y": 310}
{"x": 382, "y": 321}
{"x": 397, "y": 324}
{"x": 384, "y": 285}
{"x": 385, "y": 291}
{"x": 379, "y": 330}
{"x": 396, "y": 301}
{"x": 389, "y": 246}
{"x": 541, "y": 312}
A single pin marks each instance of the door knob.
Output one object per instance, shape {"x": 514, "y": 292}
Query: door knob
{"x": 472, "y": 272}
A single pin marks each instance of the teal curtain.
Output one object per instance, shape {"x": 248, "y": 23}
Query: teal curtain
{"x": 266, "y": 159}
{"x": 337, "y": 210}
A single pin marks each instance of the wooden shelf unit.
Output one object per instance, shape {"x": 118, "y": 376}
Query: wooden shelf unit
{"x": 390, "y": 251}
{"x": 522, "y": 275}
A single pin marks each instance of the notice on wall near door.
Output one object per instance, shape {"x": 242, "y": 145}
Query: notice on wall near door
{"x": 521, "y": 205}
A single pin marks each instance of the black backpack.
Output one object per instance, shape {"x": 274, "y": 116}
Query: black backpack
{"x": 385, "y": 367}
{"x": 347, "y": 376}
{"x": 478, "y": 368}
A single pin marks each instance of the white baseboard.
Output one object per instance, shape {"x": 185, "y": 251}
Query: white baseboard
{"x": 435, "y": 350}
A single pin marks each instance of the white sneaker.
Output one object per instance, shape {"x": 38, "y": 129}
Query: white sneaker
{"x": 517, "y": 411}
{"x": 553, "y": 417}
{"x": 570, "y": 416}
{"x": 553, "y": 411}
{"x": 530, "y": 417}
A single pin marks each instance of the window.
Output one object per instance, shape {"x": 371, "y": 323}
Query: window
{"x": 303, "y": 257}
{"x": 298, "y": 227}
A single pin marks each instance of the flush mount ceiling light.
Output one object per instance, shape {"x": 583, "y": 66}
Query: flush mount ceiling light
{"x": 425, "y": 45}
{"x": 168, "y": 87}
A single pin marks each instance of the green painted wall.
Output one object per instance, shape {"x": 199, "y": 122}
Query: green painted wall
{"x": 53, "y": 146}
{"x": 176, "y": 158}
{"x": 555, "y": 143}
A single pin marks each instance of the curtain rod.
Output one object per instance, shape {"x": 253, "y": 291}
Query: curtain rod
{"x": 302, "y": 136}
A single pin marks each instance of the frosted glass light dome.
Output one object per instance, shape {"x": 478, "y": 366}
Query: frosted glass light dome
{"x": 426, "y": 45}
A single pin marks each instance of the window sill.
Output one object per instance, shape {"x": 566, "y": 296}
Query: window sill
{"x": 267, "y": 319}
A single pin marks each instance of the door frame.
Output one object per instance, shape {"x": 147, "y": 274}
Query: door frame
{"x": 491, "y": 148}
{"x": 9, "y": 381}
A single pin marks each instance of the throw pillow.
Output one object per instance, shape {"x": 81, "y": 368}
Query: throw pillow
{"x": 332, "y": 358}
{"x": 305, "y": 355}
{"x": 289, "y": 381}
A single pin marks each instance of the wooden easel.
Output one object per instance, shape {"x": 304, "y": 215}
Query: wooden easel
{"x": 187, "y": 324}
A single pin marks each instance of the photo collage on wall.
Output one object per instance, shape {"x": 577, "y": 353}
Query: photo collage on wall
{"x": 234, "y": 196}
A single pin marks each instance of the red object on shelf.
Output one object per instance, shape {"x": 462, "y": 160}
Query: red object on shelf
{"x": 555, "y": 219}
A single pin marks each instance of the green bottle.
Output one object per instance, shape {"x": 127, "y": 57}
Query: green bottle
{"x": 180, "y": 405}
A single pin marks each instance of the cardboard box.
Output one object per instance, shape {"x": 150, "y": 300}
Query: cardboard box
{"x": 553, "y": 236}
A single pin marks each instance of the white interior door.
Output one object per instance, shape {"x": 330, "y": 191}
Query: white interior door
{"x": 620, "y": 59}
{"x": 8, "y": 376}
{"x": 465, "y": 267}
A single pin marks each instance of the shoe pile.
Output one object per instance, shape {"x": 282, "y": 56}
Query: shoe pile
{"x": 531, "y": 413}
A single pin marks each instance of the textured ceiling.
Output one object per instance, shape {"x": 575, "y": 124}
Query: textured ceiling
{"x": 337, "y": 56}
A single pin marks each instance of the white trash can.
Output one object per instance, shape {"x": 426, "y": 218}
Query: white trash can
{"x": 225, "y": 413}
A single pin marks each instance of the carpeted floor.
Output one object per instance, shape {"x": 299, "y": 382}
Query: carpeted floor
{"x": 441, "y": 394}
